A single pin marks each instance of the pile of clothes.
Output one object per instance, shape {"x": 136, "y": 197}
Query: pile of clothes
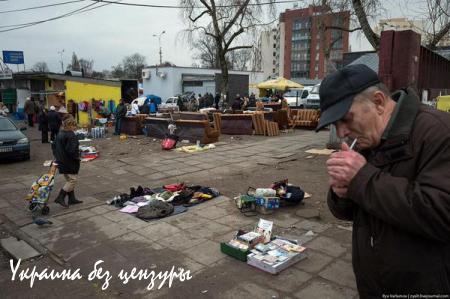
{"x": 151, "y": 203}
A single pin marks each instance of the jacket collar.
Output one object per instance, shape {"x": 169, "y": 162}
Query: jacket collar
{"x": 395, "y": 144}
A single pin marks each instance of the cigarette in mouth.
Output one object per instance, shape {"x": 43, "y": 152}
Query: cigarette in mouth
{"x": 353, "y": 143}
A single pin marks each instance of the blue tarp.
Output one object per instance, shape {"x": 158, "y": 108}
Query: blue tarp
{"x": 156, "y": 99}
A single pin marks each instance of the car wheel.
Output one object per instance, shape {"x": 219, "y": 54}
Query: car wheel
{"x": 302, "y": 107}
{"x": 27, "y": 157}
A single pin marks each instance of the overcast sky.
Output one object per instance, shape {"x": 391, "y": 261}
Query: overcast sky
{"x": 107, "y": 34}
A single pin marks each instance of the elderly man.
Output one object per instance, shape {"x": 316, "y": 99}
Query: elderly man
{"x": 395, "y": 187}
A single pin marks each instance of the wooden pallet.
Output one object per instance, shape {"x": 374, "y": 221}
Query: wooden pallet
{"x": 272, "y": 128}
{"x": 259, "y": 123}
{"x": 217, "y": 121}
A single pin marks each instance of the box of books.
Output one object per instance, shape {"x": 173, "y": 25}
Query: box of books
{"x": 276, "y": 255}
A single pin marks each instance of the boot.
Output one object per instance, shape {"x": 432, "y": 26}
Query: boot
{"x": 60, "y": 198}
{"x": 72, "y": 199}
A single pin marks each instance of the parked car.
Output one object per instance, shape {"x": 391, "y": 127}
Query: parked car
{"x": 169, "y": 103}
{"x": 313, "y": 99}
{"x": 297, "y": 97}
{"x": 13, "y": 143}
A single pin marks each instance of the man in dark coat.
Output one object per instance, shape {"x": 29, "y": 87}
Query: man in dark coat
{"x": 217, "y": 100}
{"x": 394, "y": 187}
{"x": 121, "y": 111}
{"x": 29, "y": 108}
{"x": 67, "y": 155}
{"x": 43, "y": 124}
{"x": 54, "y": 122}
{"x": 237, "y": 103}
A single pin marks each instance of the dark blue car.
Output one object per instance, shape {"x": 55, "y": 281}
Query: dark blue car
{"x": 13, "y": 143}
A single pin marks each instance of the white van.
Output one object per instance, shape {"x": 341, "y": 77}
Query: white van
{"x": 297, "y": 97}
{"x": 313, "y": 99}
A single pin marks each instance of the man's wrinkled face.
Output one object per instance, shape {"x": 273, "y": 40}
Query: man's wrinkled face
{"x": 362, "y": 121}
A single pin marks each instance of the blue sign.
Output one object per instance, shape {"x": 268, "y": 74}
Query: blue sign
{"x": 13, "y": 57}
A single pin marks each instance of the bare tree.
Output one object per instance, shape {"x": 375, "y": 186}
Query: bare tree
{"x": 436, "y": 13}
{"x": 86, "y": 65}
{"x": 74, "y": 65}
{"x": 130, "y": 67}
{"x": 207, "y": 55}
{"x": 40, "y": 67}
{"x": 205, "y": 50}
{"x": 225, "y": 21}
{"x": 240, "y": 59}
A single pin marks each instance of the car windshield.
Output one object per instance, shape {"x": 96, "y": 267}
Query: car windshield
{"x": 6, "y": 125}
{"x": 315, "y": 89}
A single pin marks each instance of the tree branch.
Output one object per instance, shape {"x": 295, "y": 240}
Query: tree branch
{"x": 193, "y": 20}
{"x": 371, "y": 36}
{"x": 438, "y": 36}
{"x": 239, "y": 47}
{"x": 342, "y": 29}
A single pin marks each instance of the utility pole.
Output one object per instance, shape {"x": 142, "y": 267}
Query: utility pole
{"x": 61, "y": 61}
{"x": 160, "y": 49}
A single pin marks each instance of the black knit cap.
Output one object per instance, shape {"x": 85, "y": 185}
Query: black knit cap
{"x": 338, "y": 90}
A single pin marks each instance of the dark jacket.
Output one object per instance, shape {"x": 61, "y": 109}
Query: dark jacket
{"x": 121, "y": 111}
{"x": 28, "y": 108}
{"x": 54, "y": 120}
{"x": 66, "y": 152}
{"x": 237, "y": 104}
{"x": 144, "y": 109}
{"x": 43, "y": 121}
{"x": 399, "y": 203}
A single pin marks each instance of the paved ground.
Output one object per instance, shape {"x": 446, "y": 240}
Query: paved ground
{"x": 93, "y": 231}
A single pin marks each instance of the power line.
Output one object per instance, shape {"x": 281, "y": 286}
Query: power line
{"x": 42, "y": 6}
{"x": 86, "y": 9}
{"x": 178, "y": 7}
{"x": 71, "y": 13}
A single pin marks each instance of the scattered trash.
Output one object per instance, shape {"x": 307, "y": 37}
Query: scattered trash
{"x": 309, "y": 157}
{"x": 194, "y": 148}
{"x": 123, "y": 137}
{"x": 184, "y": 141}
{"x": 41, "y": 221}
{"x": 324, "y": 151}
{"x": 309, "y": 233}
{"x": 47, "y": 163}
{"x": 204, "y": 291}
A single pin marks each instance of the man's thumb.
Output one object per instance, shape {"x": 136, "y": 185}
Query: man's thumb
{"x": 344, "y": 146}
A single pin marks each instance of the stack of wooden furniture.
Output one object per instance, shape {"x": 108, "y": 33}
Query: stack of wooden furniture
{"x": 259, "y": 123}
{"x": 304, "y": 118}
{"x": 272, "y": 128}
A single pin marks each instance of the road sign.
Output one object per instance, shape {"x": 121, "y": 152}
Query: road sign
{"x": 13, "y": 57}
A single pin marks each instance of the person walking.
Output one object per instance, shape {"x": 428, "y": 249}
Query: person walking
{"x": 54, "y": 123}
{"x": 394, "y": 185}
{"x": 67, "y": 156}
{"x": 43, "y": 124}
{"x": 121, "y": 111}
{"x": 28, "y": 108}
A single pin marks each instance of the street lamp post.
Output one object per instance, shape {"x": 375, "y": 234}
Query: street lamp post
{"x": 62, "y": 63}
{"x": 160, "y": 50}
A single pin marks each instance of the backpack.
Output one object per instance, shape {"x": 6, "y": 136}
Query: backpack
{"x": 294, "y": 195}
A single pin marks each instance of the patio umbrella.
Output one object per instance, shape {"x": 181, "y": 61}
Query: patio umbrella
{"x": 279, "y": 84}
